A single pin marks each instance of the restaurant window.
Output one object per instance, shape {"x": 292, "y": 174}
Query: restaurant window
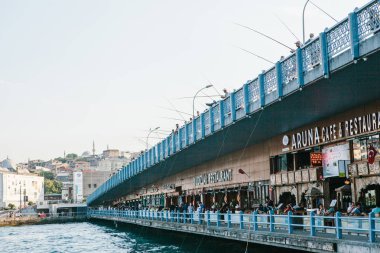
{"x": 282, "y": 162}
{"x": 303, "y": 160}
{"x": 360, "y": 145}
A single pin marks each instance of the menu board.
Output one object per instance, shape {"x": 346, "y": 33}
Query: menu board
{"x": 316, "y": 159}
{"x": 331, "y": 157}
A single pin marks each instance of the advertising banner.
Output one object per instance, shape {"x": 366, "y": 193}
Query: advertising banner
{"x": 331, "y": 157}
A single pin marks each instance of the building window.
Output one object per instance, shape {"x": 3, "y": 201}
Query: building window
{"x": 89, "y": 185}
{"x": 360, "y": 145}
{"x": 303, "y": 160}
{"x": 95, "y": 186}
{"x": 282, "y": 162}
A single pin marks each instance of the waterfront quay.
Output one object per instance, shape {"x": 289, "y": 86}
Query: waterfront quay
{"x": 309, "y": 233}
{"x": 290, "y": 158}
{"x": 41, "y": 218}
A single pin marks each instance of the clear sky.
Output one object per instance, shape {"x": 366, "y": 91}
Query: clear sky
{"x": 74, "y": 71}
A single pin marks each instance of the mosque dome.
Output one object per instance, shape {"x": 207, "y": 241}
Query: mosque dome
{"x": 9, "y": 164}
{"x": 86, "y": 154}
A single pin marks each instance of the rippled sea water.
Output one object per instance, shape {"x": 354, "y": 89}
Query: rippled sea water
{"x": 105, "y": 237}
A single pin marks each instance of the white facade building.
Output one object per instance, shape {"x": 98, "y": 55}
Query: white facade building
{"x": 78, "y": 186}
{"x": 19, "y": 189}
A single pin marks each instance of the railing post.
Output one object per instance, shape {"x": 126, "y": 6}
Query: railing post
{"x": 300, "y": 74}
{"x": 312, "y": 223}
{"x": 338, "y": 225}
{"x": 290, "y": 222}
{"x": 254, "y": 221}
{"x": 241, "y": 220}
{"x": 203, "y": 127}
{"x": 279, "y": 79}
{"x": 371, "y": 227}
{"x": 191, "y": 217}
{"x": 167, "y": 216}
{"x": 178, "y": 220}
{"x": 208, "y": 218}
{"x": 354, "y": 34}
{"x": 162, "y": 215}
{"x": 217, "y": 218}
{"x": 221, "y": 113}
{"x": 271, "y": 221}
{"x": 199, "y": 217}
{"x": 324, "y": 54}
{"x": 233, "y": 106}
{"x": 228, "y": 219}
{"x": 184, "y": 216}
{"x": 246, "y": 98}
{"x": 211, "y": 120}
{"x": 172, "y": 216}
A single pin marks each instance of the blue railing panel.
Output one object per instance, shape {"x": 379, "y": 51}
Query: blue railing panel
{"x": 368, "y": 20}
{"x": 338, "y": 39}
{"x": 254, "y": 95}
{"x": 198, "y": 127}
{"x": 176, "y": 141}
{"x": 227, "y": 111}
{"x": 183, "y": 137}
{"x": 190, "y": 131}
{"x": 216, "y": 117}
{"x": 270, "y": 81}
{"x": 289, "y": 69}
{"x": 207, "y": 122}
{"x": 239, "y": 103}
{"x": 311, "y": 55}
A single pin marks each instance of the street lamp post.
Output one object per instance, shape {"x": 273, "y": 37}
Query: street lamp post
{"x": 303, "y": 21}
{"x": 196, "y": 94}
{"x": 147, "y": 137}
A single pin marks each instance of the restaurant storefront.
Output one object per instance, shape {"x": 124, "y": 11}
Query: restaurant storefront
{"x": 330, "y": 160}
{"x": 321, "y": 162}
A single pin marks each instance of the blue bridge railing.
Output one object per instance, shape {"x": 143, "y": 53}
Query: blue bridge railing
{"x": 307, "y": 64}
{"x": 338, "y": 226}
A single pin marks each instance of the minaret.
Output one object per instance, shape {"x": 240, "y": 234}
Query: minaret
{"x": 93, "y": 148}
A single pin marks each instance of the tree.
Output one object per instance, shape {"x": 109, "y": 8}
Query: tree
{"x": 71, "y": 156}
{"x": 52, "y": 186}
{"x": 47, "y": 175}
{"x": 11, "y": 206}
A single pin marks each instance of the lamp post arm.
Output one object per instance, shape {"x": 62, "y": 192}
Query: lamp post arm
{"x": 303, "y": 21}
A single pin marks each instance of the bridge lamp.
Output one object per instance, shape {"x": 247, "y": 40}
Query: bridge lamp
{"x": 147, "y": 137}
{"x": 196, "y": 94}
{"x": 243, "y": 172}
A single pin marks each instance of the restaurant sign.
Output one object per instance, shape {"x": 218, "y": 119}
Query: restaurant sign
{"x": 316, "y": 159}
{"x": 336, "y": 131}
{"x": 213, "y": 177}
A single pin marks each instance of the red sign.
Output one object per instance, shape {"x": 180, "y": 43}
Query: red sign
{"x": 316, "y": 159}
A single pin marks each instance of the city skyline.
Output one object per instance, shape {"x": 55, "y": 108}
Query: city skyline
{"x": 68, "y": 79}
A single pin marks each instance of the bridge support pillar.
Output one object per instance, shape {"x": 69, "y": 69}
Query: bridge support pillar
{"x": 354, "y": 34}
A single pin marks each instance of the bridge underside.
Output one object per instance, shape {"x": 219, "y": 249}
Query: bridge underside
{"x": 352, "y": 86}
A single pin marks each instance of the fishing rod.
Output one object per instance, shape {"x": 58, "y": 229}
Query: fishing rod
{"x": 258, "y": 56}
{"x": 263, "y": 34}
{"x": 287, "y": 28}
{"x": 183, "y": 118}
{"x": 174, "y": 110}
{"x": 319, "y": 8}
